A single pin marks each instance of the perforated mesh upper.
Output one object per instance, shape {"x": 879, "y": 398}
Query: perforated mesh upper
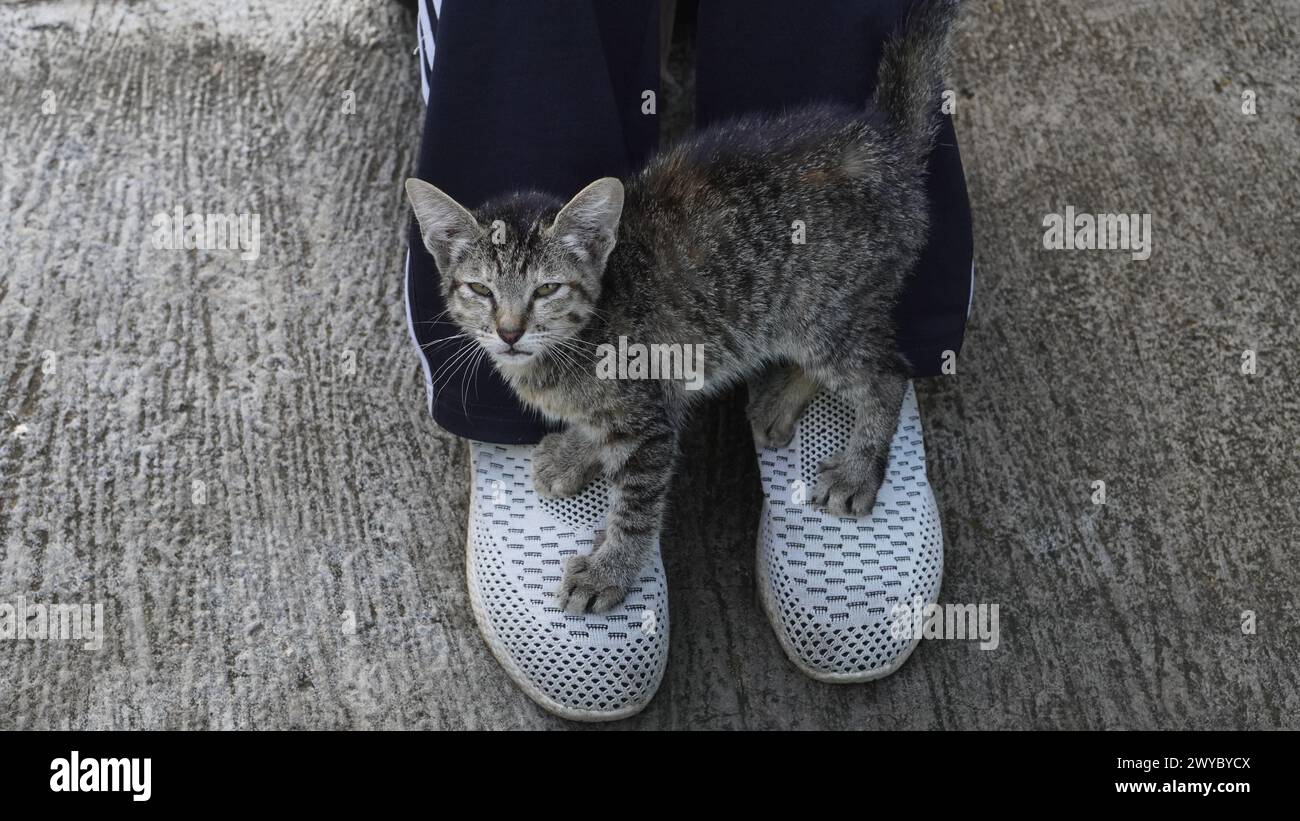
{"x": 831, "y": 584}
{"x": 583, "y": 667}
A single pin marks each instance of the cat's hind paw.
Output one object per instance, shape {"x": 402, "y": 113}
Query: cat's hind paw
{"x": 773, "y": 420}
{"x": 778, "y": 396}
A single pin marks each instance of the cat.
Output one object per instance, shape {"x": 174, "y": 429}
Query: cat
{"x": 702, "y": 248}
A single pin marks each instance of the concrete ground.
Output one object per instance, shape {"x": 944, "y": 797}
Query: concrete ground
{"x": 234, "y": 459}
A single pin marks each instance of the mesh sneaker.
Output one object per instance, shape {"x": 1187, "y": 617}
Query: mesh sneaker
{"x": 584, "y": 668}
{"x": 828, "y": 584}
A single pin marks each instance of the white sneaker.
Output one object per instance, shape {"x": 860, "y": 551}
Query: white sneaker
{"x": 829, "y": 584}
{"x": 585, "y": 668}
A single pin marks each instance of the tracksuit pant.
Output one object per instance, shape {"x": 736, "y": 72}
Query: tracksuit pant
{"x": 550, "y": 95}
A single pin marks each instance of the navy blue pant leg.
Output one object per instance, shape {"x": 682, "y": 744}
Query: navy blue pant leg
{"x": 767, "y": 55}
{"x": 521, "y": 95}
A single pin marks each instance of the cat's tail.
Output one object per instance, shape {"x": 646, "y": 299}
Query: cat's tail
{"x": 911, "y": 73}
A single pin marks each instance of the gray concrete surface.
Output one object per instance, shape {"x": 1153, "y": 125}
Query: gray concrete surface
{"x": 320, "y": 584}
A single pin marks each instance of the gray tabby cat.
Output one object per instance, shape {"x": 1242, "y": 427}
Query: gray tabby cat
{"x": 699, "y": 249}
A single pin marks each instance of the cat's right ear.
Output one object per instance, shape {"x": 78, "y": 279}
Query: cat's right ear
{"x": 447, "y": 228}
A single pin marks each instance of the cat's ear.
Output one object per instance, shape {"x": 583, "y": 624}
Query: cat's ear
{"x": 447, "y": 228}
{"x": 588, "y": 225}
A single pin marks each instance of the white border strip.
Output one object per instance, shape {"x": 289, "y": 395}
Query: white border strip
{"x": 970, "y": 301}
{"x": 410, "y": 326}
{"x": 426, "y": 48}
{"x": 426, "y": 35}
{"x": 426, "y": 54}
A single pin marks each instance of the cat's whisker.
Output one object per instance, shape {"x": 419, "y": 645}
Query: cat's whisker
{"x": 570, "y": 341}
{"x": 437, "y": 317}
{"x": 449, "y": 368}
{"x": 582, "y": 365}
{"x": 576, "y": 341}
{"x": 552, "y": 349}
{"x": 443, "y": 341}
{"x": 445, "y": 374}
{"x": 568, "y": 365}
{"x": 471, "y": 373}
{"x": 464, "y": 374}
{"x": 485, "y": 357}
{"x": 446, "y": 381}
{"x": 449, "y": 362}
{"x": 570, "y": 355}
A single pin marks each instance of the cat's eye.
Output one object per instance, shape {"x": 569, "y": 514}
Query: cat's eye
{"x": 547, "y": 289}
{"x": 479, "y": 288}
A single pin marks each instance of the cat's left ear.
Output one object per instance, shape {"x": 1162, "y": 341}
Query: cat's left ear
{"x": 588, "y": 225}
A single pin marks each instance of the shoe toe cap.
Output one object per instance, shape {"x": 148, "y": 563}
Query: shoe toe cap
{"x": 840, "y": 591}
{"x": 591, "y": 667}
{"x": 594, "y": 667}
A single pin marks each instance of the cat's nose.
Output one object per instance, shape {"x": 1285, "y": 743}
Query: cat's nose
{"x": 509, "y": 335}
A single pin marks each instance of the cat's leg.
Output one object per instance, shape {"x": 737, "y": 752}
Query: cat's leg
{"x": 778, "y": 396}
{"x": 848, "y": 481}
{"x": 564, "y": 463}
{"x": 639, "y": 465}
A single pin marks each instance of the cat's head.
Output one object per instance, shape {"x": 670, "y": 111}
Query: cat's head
{"x": 523, "y": 272}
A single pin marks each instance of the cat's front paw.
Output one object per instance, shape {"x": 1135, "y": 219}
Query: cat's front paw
{"x": 589, "y": 587}
{"x": 848, "y": 486}
{"x": 559, "y": 468}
